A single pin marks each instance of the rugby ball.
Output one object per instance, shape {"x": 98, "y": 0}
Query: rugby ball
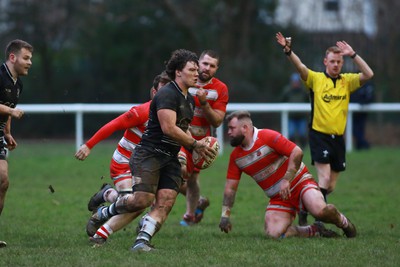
{"x": 200, "y": 162}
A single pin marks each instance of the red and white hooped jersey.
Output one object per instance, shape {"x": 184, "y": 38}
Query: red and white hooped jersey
{"x": 134, "y": 123}
{"x": 266, "y": 161}
{"x": 217, "y": 97}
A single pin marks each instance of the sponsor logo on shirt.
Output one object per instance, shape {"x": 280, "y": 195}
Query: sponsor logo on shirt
{"x": 328, "y": 98}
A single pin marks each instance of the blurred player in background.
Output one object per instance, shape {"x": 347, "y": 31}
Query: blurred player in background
{"x": 134, "y": 123}
{"x": 211, "y": 98}
{"x": 330, "y": 95}
{"x": 364, "y": 95}
{"x": 18, "y": 56}
{"x": 275, "y": 163}
{"x": 156, "y": 171}
{"x": 295, "y": 92}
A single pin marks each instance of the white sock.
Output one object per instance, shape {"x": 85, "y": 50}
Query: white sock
{"x": 148, "y": 229}
{"x": 110, "y": 195}
{"x": 104, "y": 232}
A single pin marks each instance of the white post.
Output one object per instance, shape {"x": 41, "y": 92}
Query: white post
{"x": 349, "y": 132}
{"x": 78, "y": 129}
{"x": 220, "y": 137}
{"x": 285, "y": 123}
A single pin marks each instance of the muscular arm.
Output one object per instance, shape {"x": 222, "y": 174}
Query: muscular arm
{"x": 11, "y": 143}
{"x": 167, "y": 119}
{"x": 231, "y": 187}
{"x": 214, "y": 116}
{"x": 295, "y": 158}
{"x": 13, "y": 112}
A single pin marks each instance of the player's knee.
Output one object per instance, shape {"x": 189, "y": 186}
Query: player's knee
{"x": 328, "y": 214}
{"x": 273, "y": 232}
{"x": 132, "y": 203}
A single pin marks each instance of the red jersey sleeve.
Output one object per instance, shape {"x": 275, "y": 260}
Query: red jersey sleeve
{"x": 136, "y": 116}
{"x": 277, "y": 141}
{"x": 233, "y": 170}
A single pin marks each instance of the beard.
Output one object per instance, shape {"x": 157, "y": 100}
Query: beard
{"x": 237, "y": 140}
{"x": 204, "y": 77}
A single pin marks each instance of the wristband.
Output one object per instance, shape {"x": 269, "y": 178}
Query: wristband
{"x": 288, "y": 53}
{"x": 193, "y": 145}
{"x": 226, "y": 212}
{"x": 354, "y": 55}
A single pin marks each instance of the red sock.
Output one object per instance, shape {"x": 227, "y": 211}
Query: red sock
{"x": 104, "y": 232}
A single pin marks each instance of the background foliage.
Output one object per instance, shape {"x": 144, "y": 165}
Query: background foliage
{"x": 103, "y": 51}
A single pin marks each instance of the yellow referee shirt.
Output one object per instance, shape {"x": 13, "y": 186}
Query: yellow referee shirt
{"x": 330, "y": 100}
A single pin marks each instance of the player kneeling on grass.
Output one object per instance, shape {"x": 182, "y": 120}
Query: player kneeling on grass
{"x": 275, "y": 163}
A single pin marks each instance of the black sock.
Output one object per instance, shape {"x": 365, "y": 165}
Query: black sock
{"x": 324, "y": 193}
{"x": 111, "y": 210}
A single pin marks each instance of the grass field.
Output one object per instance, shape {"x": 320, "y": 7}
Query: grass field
{"x": 48, "y": 229}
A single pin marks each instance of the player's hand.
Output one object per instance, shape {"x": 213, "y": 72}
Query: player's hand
{"x": 184, "y": 170}
{"x": 11, "y": 143}
{"x": 17, "y": 113}
{"x": 225, "y": 225}
{"x": 201, "y": 95}
{"x": 205, "y": 151}
{"x": 83, "y": 152}
{"x": 284, "y": 189}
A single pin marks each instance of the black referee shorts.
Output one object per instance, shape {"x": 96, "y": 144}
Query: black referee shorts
{"x": 328, "y": 149}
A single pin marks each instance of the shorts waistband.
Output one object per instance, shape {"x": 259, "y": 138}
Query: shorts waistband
{"x": 333, "y": 136}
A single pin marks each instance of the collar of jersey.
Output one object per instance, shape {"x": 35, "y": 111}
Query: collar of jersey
{"x": 178, "y": 88}
{"x": 327, "y": 75}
